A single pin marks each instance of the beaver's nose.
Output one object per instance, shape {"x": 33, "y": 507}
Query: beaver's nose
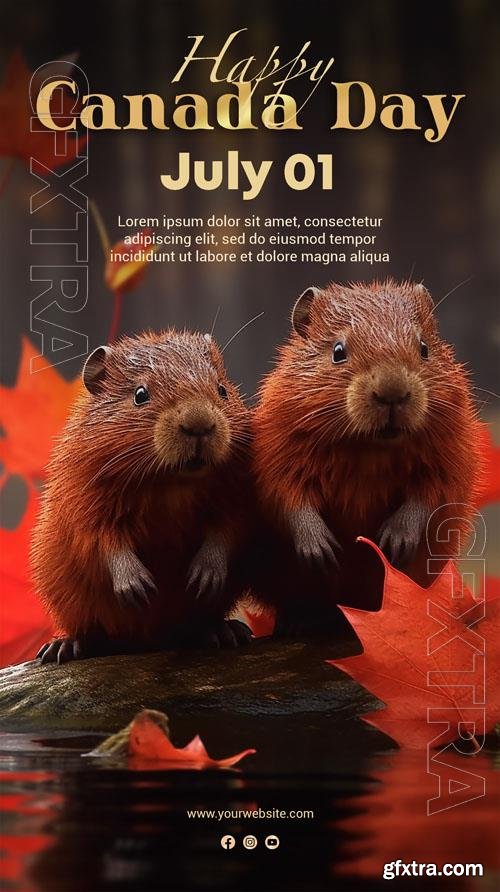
{"x": 391, "y": 396}
{"x": 199, "y": 429}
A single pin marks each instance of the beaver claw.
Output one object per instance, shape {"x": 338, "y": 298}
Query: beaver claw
{"x": 60, "y": 650}
{"x": 313, "y": 540}
{"x": 136, "y": 593}
{"x": 400, "y": 535}
{"x": 132, "y": 582}
{"x": 208, "y": 571}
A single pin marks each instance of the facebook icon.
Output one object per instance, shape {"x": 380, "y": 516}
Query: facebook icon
{"x": 228, "y": 842}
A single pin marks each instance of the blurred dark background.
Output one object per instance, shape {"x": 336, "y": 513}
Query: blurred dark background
{"x": 440, "y": 202}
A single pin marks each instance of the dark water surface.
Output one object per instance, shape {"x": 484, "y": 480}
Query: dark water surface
{"x": 81, "y": 825}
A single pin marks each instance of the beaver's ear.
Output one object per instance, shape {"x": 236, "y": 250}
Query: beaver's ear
{"x": 94, "y": 370}
{"x": 424, "y": 296}
{"x": 301, "y": 313}
{"x": 213, "y": 353}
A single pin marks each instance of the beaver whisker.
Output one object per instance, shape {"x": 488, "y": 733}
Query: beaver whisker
{"x": 331, "y": 407}
{"x": 242, "y": 328}
{"x": 133, "y": 471}
{"x": 298, "y": 397}
{"x": 122, "y": 456}
{"x": 324, "y": 423}
{"x": 448, "y": 294}
{"x": 241, "y": 437}
{"x": 214, "y": 323}
{"x": 128, "y": 457}
{"x": 484, "y": 390}
{"x": 148, "y": 469}
{"x": 349, "y": 427}
{"x": 135, "y": 466}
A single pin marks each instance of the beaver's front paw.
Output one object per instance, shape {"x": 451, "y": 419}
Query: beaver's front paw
{"x": 61, "y": 650}
{"x": 313, "y": 540}
{"x": 132, "y": 582}
{"x": 208, "y": 571}
{"x": 400, "y": 535}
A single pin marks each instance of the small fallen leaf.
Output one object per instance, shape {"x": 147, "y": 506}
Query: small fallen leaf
{"x": 145, "y": 740}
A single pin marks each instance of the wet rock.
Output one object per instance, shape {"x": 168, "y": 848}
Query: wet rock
{"x": 267, "y": 679}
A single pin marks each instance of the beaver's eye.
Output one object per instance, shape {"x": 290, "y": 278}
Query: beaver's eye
{"x": 339, "y": 352}
{"x": 424, "y": 350}
{"x": 141, "y": 395}
{"x": 223, "y": 392}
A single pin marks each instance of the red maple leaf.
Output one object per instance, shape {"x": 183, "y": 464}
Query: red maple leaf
{"x": 24, "y": 626}
{"x": 124, "y": 275}
{"x": 32, "y": 414}
{"x": 17, "y": 138}
{"x": 121, "y": 276}
{"x": 149, "y": 743}
{"x": 392, "y": 819}
{"x": 423, "y": 656}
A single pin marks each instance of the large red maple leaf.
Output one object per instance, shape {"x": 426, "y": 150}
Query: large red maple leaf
{"x": 32, "y": 414}
{"x": 491, "y": 457}
{"x": 432, "y": 656}
{"x": 17, "y": 138}
{"x": 24, "y": 626}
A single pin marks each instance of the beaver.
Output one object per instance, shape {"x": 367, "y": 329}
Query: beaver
{"x": 365, "y": 427}
{"x": 141, "y": 512}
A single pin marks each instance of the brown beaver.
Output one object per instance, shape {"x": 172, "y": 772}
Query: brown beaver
{"x": 365, "y": 427}
{"x": 141, "y": 513}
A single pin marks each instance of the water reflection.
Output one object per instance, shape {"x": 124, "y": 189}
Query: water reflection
{"x": 390, "y": 820}
{"x": 70, "y": 824}
{"x": 27, "y": 799}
